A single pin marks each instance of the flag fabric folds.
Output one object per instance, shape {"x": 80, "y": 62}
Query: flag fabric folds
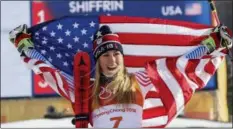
{"x": 155, "y": 45}
{"x": 176, "y": 80}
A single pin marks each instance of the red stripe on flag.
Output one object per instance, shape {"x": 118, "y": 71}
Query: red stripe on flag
{"x": 126, "y": 19}
{"x": 190, "y": 72}
{"x": 216, "y": 38}
{"x": 154, "y": 112}
{"x": 152, "y": 94}
{"x": 184, "y": 85}
{"x": 39, "y": 62}
{"x": 225, "y": 51}
{"x": 164, "y": 92}
{"x": 209, "y": 68}
{"x": 26, "y": 59}
{"x": 138, "y": 61}
{"x": 159, "y": 39}
{"x": 47, "y": 69}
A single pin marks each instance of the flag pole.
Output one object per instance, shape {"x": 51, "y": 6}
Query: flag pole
{"x": 215, "y": 16}
{"x": 214, "y": 12}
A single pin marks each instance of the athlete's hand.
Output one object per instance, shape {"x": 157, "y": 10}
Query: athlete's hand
{"x": 209, "y": 43}
{"x": 20, "y": 38}
{"x": 226, "y": 39}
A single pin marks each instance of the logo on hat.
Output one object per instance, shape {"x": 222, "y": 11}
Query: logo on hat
{"x": 99, "y": 41}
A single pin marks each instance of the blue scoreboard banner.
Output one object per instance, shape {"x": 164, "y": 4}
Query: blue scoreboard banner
{"x": 186, "y": 10}
{"x": 195, "y": 11}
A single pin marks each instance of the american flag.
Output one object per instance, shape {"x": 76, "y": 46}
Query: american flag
{"x": 59, "y": 40}
{"x": 192, "y": 9}
{"x": 155, "y": 44}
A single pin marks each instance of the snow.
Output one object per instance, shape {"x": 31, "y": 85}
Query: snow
{"x": 66, "y": 123}
{"x": 186, "y": 122}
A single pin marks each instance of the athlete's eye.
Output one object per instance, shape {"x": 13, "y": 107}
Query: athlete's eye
{"x": 117, "y": 53}
{"x": 105, "y": 55}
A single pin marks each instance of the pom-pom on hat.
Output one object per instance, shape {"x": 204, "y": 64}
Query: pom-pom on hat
{"x": 105, "y": 40}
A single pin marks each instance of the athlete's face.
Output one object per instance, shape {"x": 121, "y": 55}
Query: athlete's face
{"x": 111, "y": 62}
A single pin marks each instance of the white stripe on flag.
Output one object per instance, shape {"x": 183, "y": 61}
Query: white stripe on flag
{"x": 31, "y": 62}
{"x": 43, "y": 65}
{"x": 147, "y": 88}
{"x": 199, "y": 71}
{"x": 216, "y": 61}
{"x": 153, "y": 88}
{"x": 171, "y": 83}
{"x": 72, "y": 96}
{"x": 60, "y": 83}
{"x": 31, "y": 65}
{"x": 156, "y": 50}
{"x": 218, "y": 53}
{"x": 68, "y": 78}
{"x": 156, "y": 29}
{"x": 157, "y": 121}
{"x": 134, "y": 69}
{"x": 152, "y": 103}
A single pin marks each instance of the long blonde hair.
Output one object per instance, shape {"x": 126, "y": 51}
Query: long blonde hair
{"x": 121, "y": 87}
